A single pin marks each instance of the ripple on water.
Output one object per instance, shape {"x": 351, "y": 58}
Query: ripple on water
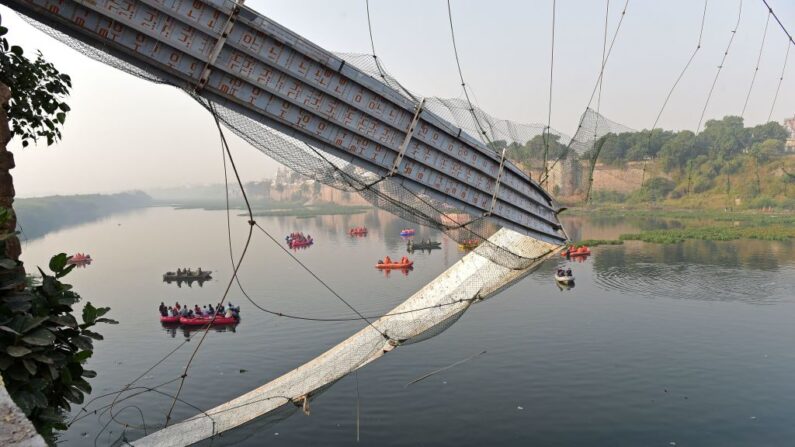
{"x": 695, "y": 282}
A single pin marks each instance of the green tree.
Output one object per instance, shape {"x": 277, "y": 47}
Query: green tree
{"x": 678, "y": 150}
{"x": 37, "y": 109}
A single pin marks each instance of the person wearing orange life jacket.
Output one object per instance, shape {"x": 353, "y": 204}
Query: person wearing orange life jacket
{"x": 387, "y": 260}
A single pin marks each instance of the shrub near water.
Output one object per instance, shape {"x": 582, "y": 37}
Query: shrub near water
{"x": 43, "y": 348}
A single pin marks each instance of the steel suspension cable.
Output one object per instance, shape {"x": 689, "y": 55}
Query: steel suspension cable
{"x": 720, "y": 67}
{"x": 593, "y": 92}
{"x": 551, "y": 72}
{"x": 780, "y": 80}
{"x": 461, "y": 76}
{"x": 758, "y": 60}
{"x": 684, "y": 69}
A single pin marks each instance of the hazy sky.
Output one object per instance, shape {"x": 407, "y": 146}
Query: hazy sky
{"x": 124, "y": 133}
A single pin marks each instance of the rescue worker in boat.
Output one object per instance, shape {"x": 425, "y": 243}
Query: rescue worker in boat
{"x": 177, "y": 306}
{"x": 219, "y": 309}
{"x": 171, "y": 312}
{"x": 162, "y": 309}
{"x": 210, "y": 310}
{"x": 229, "y": 313}
{"x": 200, "y": 272}
{"x": 404, "y": 260}
{"x": 568, "y": 272}
{"x": 184, "y": 312}
{"x": 568, "y": 252}
{"x": 197, "y": 310}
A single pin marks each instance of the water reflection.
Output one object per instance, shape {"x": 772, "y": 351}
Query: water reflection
{"x": 187, "y": 331}
{"x": 695, "y": 270}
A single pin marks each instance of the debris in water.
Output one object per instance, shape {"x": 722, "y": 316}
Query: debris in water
{"x": 276, "y": 434}
{"x": 753, "y": 417}
{"x": 444, "y": 369}
{"x": 520, "y": 408}
{"x": 672, "y": 443}
{"x": 243, "y": 371}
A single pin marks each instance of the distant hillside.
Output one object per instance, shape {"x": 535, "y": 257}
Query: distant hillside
{"x": 38, "y": 216}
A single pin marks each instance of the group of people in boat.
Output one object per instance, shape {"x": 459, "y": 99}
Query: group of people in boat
{"x": 189, "y": 272}
{"x": 387, "y": 260}
{"x": 298, "y": 238}
{"x": 358, "y": 230}
{"x": 208, "y": 311}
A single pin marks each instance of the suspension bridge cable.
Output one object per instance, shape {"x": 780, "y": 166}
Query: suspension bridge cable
{"x": 593, "y": 92}
{"x": 551, "y": 72}
{"x": 780, "y": 80}
{"x": 720, "y": 67}
{"x": 758, "y": 60}
{"x": 601, "y": 81}
{"x": 682, "y": 73}
{"x": 781, "y": 25}
{"x": 461, "y": 76}
{"x": 372, "y": 41}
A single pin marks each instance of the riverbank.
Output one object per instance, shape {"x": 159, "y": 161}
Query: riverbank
{"x": 37, "y": 216}
{"x": 299, "y": 209}
{"x": 670, "y": 226}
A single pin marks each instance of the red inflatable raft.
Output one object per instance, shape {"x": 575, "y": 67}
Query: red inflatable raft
{"x": 203, "y": 321}
{"x": 395, "y": 265}
{"x": 169, "y": 319}
{"x": 582, "y": 251}
{"x": 304, "y": 243}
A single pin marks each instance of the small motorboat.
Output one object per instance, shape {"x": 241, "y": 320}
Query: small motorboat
{"x": 422, "y": 245}
{"x": 408, "y": 232}
{"x": 563, "y": 278}
{"x": 576, "y": 251}
{"x": 359, "y": 231}
{"x": 203, "y": 321}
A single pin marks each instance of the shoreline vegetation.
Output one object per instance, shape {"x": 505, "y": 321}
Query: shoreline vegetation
{"x": 297, "y": 209}
{"x": 38, "y": 216}
{"x": 695, "y": 225}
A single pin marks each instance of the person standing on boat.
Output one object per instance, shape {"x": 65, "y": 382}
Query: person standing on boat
{"x": 162, "y": 309}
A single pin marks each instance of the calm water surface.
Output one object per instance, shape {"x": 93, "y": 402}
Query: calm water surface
{"x": 688, "y": 344}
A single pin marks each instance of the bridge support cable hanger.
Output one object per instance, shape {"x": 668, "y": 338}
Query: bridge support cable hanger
{"x": 549, "y": 102}
{"x": 497, "y": 185}
{"x": 409, "y": 135}
{"x": 219, "y": 44}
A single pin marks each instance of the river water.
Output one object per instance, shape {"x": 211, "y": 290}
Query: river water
{"x": 687, "y": 344}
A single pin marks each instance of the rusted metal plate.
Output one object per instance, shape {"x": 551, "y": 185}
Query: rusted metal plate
{"x": 276, "y": 77}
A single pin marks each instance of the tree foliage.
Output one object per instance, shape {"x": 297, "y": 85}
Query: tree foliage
{"x": 43, "y": 347}
{"x": 37, "y": 109}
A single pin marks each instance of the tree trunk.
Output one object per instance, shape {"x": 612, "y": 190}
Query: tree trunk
{"x": 10, "y": 246}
